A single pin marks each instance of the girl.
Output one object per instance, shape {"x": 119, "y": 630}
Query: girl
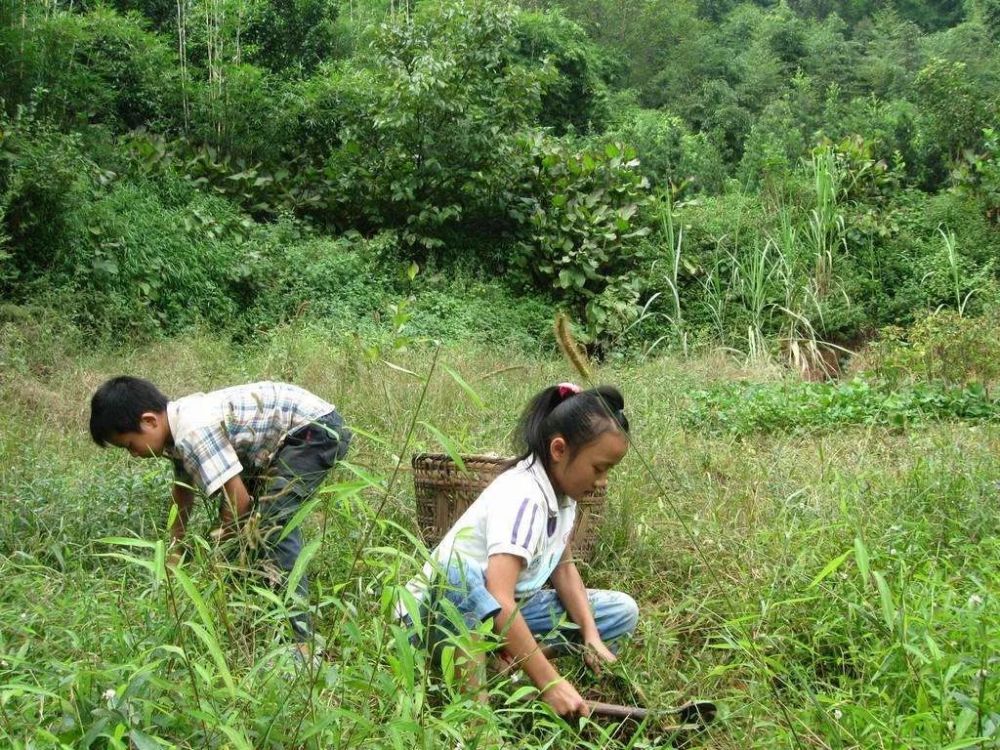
{"x": 514, "y": 539}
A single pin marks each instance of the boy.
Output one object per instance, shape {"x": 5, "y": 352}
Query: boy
{"x": 267, "y": 446}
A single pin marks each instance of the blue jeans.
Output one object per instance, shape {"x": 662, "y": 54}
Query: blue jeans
{"x": 464, "y": 587}
{"x": 294, "y": 474}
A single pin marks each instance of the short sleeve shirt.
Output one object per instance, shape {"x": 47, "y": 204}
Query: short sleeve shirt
{"x": 518, "y": 514}
{"x": 217, "y": 435}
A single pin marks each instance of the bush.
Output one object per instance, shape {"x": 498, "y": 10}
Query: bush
{"x": 44, "y": 178}
{"x": 342, "y": 280}
{"x": 576, "y": 98}
{"x": 582, "y": 211}
{"x": 944, "y": 347}
{"x": 669, "y": 154}
{"x": 741, "y": 409}
{"x": 100, "y": 67}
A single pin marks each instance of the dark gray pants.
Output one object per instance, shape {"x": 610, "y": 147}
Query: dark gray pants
{"x": 296, "y": 471}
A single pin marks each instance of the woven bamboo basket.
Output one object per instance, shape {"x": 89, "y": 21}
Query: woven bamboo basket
{"x": 444, "y": 492}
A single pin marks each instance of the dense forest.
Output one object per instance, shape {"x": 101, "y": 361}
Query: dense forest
{"x": 784, "y": 177}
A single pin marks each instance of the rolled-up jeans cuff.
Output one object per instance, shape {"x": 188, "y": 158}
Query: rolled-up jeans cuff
{"x": 465, "y": 587}
{"x": 480, "y": 605}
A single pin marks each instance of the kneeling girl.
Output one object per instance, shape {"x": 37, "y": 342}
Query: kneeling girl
{"x": 514, "y": 540}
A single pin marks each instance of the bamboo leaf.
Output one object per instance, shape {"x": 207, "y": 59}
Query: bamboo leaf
{"x": 300, "y": 515}
{"x": 885, "y": 600}
{"x": 469, "y": 390}
{"x": 192, "y": 593}
{"x": 300, "y": 566}
{"x": 861, "y": 557}
{"x": 212, "y": 644}
{"x": 828, "y": 569}
{"x": 397, "y": 368}
{"x": 447, "y": 443}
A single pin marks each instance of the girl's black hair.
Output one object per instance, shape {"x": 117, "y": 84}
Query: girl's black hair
{"x": 118, "y": 406}
{"x": 579, "y": 418}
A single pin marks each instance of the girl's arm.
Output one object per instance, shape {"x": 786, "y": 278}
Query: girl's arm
{"x": 501, "y": 576}
{"x": 572, "y": 593}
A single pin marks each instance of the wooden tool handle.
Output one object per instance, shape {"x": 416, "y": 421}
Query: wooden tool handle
{"x": 614, "y": 711}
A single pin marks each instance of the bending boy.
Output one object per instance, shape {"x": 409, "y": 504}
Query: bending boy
{"x": 264, "y": 448}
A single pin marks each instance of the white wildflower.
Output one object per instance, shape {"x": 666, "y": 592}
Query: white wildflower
{"x": 838, "y": 714}
{"x": 892, "y": 551}
{"x": 975, "y": 600}
{"x": 110, "y": 694}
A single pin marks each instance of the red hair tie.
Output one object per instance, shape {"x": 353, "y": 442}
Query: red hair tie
{"x": 568, "y": 389}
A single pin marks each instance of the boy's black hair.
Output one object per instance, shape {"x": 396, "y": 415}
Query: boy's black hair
{"x": 579, "y": 417}
{"x": 118, "y": 406}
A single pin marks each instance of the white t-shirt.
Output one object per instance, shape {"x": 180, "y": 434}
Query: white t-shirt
{"x": 517, "y": 514}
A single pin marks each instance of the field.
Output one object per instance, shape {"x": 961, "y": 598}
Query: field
{"x": 828, "y": 585}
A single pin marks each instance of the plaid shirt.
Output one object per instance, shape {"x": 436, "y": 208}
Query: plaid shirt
{"x": 216, "y": 435}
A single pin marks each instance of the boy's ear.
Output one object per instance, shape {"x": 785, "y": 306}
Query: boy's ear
{"x": 150, "y": 419}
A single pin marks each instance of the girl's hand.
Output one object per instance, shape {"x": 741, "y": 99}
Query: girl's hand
{"x": 596, "y": 654}
{"x": 565, "y": 700}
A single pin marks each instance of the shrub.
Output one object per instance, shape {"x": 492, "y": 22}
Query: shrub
{"x": 576, "y": 97}
{"x": 99, "y": 67}
{"x": 943, "y": 346}
{"x": 669, "y": 154}
{"x": 583, "y": 216}
{"x": 742, "y": 409}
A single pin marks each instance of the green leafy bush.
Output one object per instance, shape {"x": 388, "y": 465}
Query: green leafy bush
{"x": 669, "y": 154}
{"x": 583, "y": 214}
{"x": 742, "y": 409}
{"x": 98, "y": 67}
{"x": 944, "y": 347}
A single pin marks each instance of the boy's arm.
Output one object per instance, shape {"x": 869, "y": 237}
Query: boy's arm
{"x": 501, "y": 576}
{"x": 568, "y": 585}
{"x": 235, "y": 503}
{"x": 183, "y": 497}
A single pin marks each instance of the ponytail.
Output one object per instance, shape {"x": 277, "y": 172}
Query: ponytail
{"x": 580, "y": 417}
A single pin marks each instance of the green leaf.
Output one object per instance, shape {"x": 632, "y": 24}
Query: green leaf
{"x": 885, "y": 600}
{"x": 301, "y": 564}
{"x": 192, "y": 593}
{"x": 861, "y": 557}
{"x": 469, "y": 390}
{"x": 143, "y": 741}
{"x": 237, "y": 738}
{"x": 449, "y": 445}
{"x": 300, "y": 515}
{"x": 829, "y": 568}
{"x": 397, "y": 368}
{"x": 212, "y": 644}
{"x": 128, "y": 541}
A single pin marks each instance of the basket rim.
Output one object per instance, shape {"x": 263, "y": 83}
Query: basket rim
{"x": 419, "y": 459}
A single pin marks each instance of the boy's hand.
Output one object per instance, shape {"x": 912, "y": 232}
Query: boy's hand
{"x": 221, "y": 534}
{"x": 596, "y": 654}
{"x": 565, "y": 700}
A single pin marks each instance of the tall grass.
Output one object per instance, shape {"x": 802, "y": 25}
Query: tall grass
{"x": 832, "y": 590}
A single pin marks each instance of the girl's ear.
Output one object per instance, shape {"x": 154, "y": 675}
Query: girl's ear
{"x": 558, "y": 449}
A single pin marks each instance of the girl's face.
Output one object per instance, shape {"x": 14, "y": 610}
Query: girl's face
{"x": 577, "y": 473}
